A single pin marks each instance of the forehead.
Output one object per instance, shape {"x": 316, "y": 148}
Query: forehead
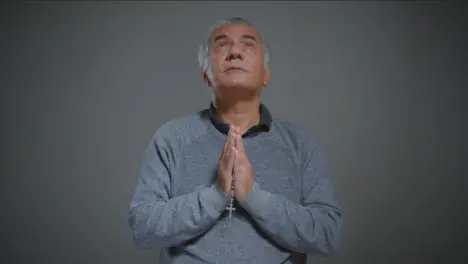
{"x": 235, "y": 31}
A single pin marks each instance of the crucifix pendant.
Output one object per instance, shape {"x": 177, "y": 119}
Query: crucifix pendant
{"x": 231, "y": 207}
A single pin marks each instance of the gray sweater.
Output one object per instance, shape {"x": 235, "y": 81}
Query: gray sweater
{"x": 177, "y": 207}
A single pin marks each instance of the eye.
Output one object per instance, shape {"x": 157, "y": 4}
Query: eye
{"x": 221, "y": 44}
{"x": 249, "y": 44}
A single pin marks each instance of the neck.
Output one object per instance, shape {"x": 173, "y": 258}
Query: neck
{"x": 242, "y": 114}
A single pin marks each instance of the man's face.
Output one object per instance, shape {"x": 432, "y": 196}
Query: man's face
{"x": 237, "y": 58}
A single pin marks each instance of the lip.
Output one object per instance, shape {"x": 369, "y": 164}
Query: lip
{"x": 234, "y": 69}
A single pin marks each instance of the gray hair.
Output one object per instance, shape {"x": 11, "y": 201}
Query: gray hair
{"x": 203, "y": 53}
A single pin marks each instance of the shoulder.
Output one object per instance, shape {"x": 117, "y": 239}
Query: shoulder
{"x": 182, "y": 130}
{"x": 295, "y": 137}
{"x": 293, "y": 133}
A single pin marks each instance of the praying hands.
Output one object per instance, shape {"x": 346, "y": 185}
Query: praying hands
{"x": 243, "y": 176}
{"x": 235, "y": 175}
{"x": 226, "y": 164}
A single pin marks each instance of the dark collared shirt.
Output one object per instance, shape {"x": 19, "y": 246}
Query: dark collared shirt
{"x": 262, "y": 126}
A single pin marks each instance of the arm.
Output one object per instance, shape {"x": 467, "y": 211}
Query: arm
{"x": 158, "y": 220}
{"x": 312, "y": 226}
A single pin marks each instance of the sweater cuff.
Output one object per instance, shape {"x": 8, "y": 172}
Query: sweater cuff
{"x": 257, "y": 202}
{"x": 219, "y": 200}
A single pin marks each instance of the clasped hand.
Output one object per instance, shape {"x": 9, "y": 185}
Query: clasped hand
{"x": 234, "y": 170}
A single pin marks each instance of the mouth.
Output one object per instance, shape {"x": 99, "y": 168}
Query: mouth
{"x": 232, "y": 69}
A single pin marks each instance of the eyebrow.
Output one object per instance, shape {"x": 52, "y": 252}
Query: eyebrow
{"x": 224, "y": 36}
{"x": 247, "y": 36}
{"x": 218, "y": 37}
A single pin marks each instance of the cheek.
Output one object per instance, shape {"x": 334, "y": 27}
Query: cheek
{"x": 215, "y": 67}
{"x": 259, "y": 69}
{"x": 218, "y": 64}
{"x": 257, "y": 63}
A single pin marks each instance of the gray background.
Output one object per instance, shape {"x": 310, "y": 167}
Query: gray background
{"x": 85, "y": 85}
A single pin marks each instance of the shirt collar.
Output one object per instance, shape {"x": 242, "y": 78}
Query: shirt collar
{"x": 263, "y": 126}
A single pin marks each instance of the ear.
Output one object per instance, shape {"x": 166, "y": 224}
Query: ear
{"x": 206, "y": 80}
{"x": 266, "y": 76}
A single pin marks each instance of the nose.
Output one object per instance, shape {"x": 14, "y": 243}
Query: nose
{"x": 234, "y": 53}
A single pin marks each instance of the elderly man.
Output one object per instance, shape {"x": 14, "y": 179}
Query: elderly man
{"x": 232, "y": 184}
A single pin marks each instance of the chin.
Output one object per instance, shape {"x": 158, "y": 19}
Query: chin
{"x": 239, "y": 90}
{"x": 240, "y": 86}
{"x": 237, "y": 83}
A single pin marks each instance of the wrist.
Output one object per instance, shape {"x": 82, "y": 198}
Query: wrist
{"x": 247, "y": 189}
{"x": 257, "y": 201}
{"x": 221, "y": 195}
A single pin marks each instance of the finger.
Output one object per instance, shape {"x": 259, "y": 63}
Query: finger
{"x": 234, "y": 139}
{"x": 239, "y": 144}
{"x": 228, "y": 153}
{"x": 235, "y": 135}
{"x": 231, "y": 160}
{"x": 228, "y": 138}
{"x": 230, "y": 142}
{"x": 227, "y": 144}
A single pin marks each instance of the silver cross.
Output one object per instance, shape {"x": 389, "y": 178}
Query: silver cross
{"x": 231, "y": 207}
